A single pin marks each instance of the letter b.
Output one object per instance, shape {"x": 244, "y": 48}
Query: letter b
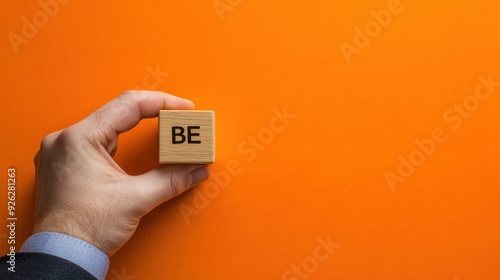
{"x": 178, "y": 131}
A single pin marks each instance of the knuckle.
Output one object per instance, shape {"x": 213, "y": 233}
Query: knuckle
{"x": 126, "y": 94}
{"x": 175, "y": 184}
{"x": 48, "y": 140}
{"x": 36, "y": 157}
{"x": 66, "y": 137}
{"x": 131, "y": 94}
{"x": 129, "y": 98}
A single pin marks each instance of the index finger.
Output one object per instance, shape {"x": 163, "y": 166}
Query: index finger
{"x": 125, "y": 111}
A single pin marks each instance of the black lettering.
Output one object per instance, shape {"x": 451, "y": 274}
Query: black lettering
{"x": 190, "y": 134}
{"x": 178, "y": 131}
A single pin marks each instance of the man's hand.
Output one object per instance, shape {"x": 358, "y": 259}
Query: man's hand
{"x": 82, "y": 192}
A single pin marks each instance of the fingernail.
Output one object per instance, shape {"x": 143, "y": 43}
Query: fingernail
{"x": 199, "y": 175}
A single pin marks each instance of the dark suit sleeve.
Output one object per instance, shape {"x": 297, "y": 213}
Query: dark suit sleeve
{"x": 42, "y": 266}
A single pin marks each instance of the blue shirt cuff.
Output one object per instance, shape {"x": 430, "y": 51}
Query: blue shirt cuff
{"x": 75, "y": 250}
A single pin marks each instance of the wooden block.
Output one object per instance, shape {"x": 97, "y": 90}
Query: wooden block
{"x": 187, "y": 136}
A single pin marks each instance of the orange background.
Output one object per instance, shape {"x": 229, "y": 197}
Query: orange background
{"x": 323, "y": 174}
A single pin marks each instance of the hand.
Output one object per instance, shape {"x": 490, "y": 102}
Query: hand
{"x": 84, "y": 193}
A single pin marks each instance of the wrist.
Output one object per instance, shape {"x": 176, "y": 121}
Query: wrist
{"x": 63, "y": 225}
{"x": 69, "y": 248}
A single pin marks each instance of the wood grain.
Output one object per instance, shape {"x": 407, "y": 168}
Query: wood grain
{"x": 186, "y": 136}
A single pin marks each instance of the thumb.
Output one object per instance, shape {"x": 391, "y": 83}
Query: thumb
{"x": 163, "y": 183}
